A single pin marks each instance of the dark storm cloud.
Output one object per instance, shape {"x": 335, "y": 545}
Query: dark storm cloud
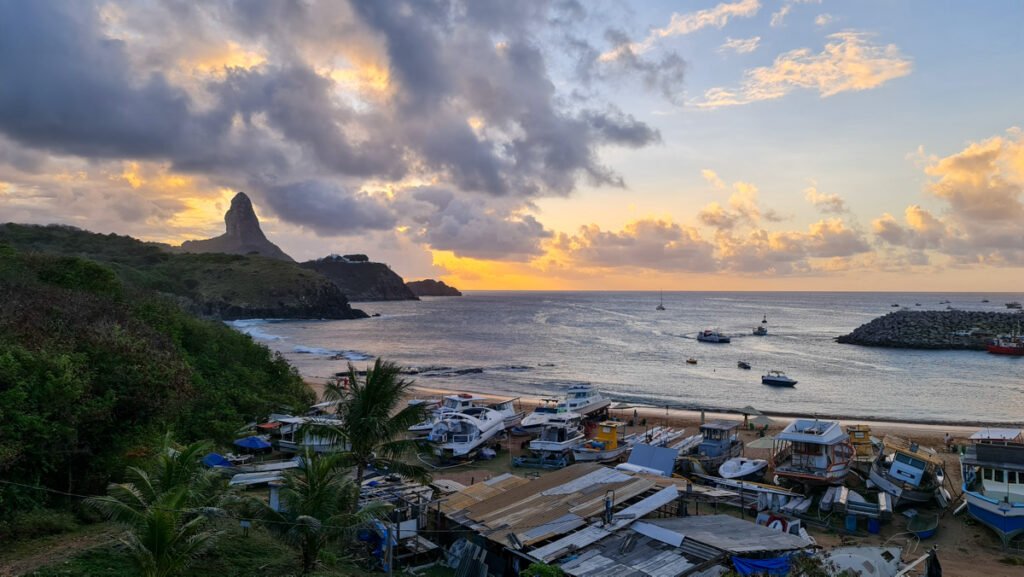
{"x": 327, "y": 208}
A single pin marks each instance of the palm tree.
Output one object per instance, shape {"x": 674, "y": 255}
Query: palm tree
{"x": 319, "y": 504}
{"x": 372, "y": 424}
{"x": 166, "y": 509}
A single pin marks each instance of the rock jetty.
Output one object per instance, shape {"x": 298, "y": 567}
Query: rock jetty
{"x": 969, "y": 330}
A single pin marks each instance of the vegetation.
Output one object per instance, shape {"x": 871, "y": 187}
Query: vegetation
{"x": 372, "y": 423}
{"x": 93, "y": 370}
{"x": 541, "y": 570}
{"x": 166, "y": 509}
{"x": 214, "y": 285}
{"x": 319, "y": 506}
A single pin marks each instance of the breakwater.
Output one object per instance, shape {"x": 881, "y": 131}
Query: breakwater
{"x": 934, "y": 329}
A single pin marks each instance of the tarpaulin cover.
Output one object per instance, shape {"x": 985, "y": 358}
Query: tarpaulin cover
{"x": 777, "y": 566}
{"x": 215, "y": 460}
{"x": 252, "y": 443}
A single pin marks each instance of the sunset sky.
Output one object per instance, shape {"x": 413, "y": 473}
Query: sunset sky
{"x": 735, "y": 145}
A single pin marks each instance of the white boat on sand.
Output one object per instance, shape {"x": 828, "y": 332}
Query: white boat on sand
{"x": 584, "y": 399}
{"x": 459, "y": 402}
{"x": 459, "y": 435}
{"x": 742, "y": 468}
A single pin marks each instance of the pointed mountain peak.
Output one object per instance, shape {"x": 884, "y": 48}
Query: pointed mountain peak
{"x": 242, "y": 234}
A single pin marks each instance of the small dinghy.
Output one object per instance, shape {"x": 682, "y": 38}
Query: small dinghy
{"x": 743, "y": 365}
{"x": 691, "y": 361}
{"x": 924, "y": 526}
{"x": 740, "y": 468}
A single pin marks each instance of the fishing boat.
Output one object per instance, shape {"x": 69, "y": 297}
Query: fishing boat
{"x": 540, "y": 416}
{"x": 742, "y": 468}
{"x": 907, "y": 471}
{"x": 661, "y": 301}
{"x": 609, "y": 443}
{"x": 1007, "y": 345}
{"x": 553, "y": 448}
{"x": 1013, "y": 305}
{"x": 812, "y": 452}
{"x": 992, "y": 468}
{"x": 865, "y": 447}
{"x": 761, "y": 331}
{"x": 691, "y": 361}
{"x": 777, "y": 379}
{"x": 712, "y": 335}
{"x": 743, "y": 365}
{"x": 460, "y": 435}
{"x": 719, "y": 442}
{"x": 584, "y": 399}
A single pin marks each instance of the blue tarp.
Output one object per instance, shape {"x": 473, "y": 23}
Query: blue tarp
{"x": 215, "y": 460}
{"x": 778, "y": 566}
{"x": 255, "y": 443}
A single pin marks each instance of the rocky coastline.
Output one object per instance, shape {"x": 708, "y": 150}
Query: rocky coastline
{"x": 954, "y": 330}
{"x": 432, "y": 288}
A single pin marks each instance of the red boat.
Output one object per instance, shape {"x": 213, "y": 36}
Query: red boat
{"x": 1007, "y": 346}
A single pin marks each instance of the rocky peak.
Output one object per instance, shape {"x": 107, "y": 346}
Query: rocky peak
{"x": 242, "y": 234}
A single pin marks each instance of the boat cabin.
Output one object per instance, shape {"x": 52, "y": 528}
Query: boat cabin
{"x": 718, "y": 438}
{"x": 460, "y": 402}
{"x": 910, "y": 462}
{"x": 300, "y": 433}
{"x": 860, "y": 438}
{"x": 998, "y": 455}
{"x": 609, "y": 433}
{"x": 812, "y": 451}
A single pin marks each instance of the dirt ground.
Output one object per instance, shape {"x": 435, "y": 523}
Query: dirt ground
{"x": 23, "y": 558}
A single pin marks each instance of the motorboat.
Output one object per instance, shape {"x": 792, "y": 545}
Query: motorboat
{"x": 459, "y": 402}
{"x": 553, "y": 448}
{"x": 720, "y": 442}
{"x": 743, "y": 365}
{"x": 584, "y": 399}
{"x": 907, "y": 471}
{"x": 762, "y": 329}
{"x": 609, "y": 443}
{"x": 812, "y": 452}
{"x": 992, "y": 469}
{"x": 712, "y": 335}
{"x": 540, "y": 416}
{"x": 460, "y": 435}
{"x": 1014, "y": 305}
{"x": 743, "y": 468}
{"x": 777, "y": 379}
{"x": 691, "y": 361}
{"x": 298, "y": 434}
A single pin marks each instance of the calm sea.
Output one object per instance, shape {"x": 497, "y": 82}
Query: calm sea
{"x": 539, "y": 343}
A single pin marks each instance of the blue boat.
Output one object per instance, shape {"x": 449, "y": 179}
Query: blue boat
{"x": 993, "y": 474}
{"x": 924, "y": 526}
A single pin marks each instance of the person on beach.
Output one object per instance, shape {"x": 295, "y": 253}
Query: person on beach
{"x": 949, "y": 442}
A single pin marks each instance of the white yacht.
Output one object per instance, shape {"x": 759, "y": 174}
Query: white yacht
{"x": 583, "y": 399}
{"x": 458, "y": 403}
{"x": 712, "y": 335}
{"x": 459, "y": 435}
{"x": 540, "y": 416}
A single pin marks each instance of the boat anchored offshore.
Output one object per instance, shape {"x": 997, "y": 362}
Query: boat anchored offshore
{"x": 777, "y": 379}
{"x": 743, "y": 365}
{"x": 762, "y": 330}
{"x": 907, "y": 471}
{"x": 553, "y": 448}
{"x": 459, "y": 435}
{"x": 1007, "y": 346}
{"x": 993, "y": 474}
{"x": 712, "y": 335}
{"x": 661, "y": 302}
{"x": 812, "y": 452}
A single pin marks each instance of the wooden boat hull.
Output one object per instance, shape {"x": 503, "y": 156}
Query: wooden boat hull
{"x": 901, "y": 492}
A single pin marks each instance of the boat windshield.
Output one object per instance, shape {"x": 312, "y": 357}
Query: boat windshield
{"x": 551, "y": 410}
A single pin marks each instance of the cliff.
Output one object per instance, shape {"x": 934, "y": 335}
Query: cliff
{"x": 361, "y": 280}
{"x": 242, "y": 235}
{"x": 432, "y": 288}
{"x": 218, "y": 286}
{"x": 934, "y": 329}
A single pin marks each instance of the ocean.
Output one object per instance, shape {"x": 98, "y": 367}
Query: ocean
{"x": 539, "y": 343}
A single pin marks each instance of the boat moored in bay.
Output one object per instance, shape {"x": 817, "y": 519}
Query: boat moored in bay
{"x": 712, "y": 335}
{"x": 777, "y": 379}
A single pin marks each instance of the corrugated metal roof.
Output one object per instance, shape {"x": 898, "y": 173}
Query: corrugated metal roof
{"x": 644, "y": 507}
{"x": 577, "y": 540}
{"x": 731, "y": 534}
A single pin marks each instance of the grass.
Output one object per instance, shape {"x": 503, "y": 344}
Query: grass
{"x": 233, "y": 555}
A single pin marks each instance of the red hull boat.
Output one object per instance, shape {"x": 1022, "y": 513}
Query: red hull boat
{"x": 1014, "y": 346}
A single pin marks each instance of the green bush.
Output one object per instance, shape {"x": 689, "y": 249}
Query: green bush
{"x": 39, "y": 523}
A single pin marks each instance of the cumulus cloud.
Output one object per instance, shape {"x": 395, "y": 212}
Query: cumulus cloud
{"x": 983, "y": 189}
{"x": 326, "y": 208}
{"x": 740, "y": 45}
{"x": 643, "y": 244}
{"x": 681, "y": 24}
{"x": 827, "y": 203}
{"x": 822, "y": 20}
{"x": 849, "y": 62}
{"x": 468, "y": 227}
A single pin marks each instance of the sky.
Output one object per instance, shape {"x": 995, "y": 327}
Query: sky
{"x": 548, "y": 145}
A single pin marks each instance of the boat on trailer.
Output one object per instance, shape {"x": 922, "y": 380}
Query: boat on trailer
{"x": 812, "y": 452}
{"x": 553, "y": 448}
{"x": 992, "y": 469}
{"x": 460, "y": 435}
{"x": 907, "y": 471}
